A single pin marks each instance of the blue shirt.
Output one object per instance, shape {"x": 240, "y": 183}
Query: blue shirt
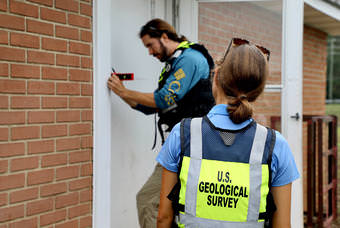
{"x": 187, "y": 70}
{"x": 284, "y": 170}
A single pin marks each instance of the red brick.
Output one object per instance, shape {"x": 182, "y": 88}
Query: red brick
{"x": 12, "y": 22}
{"x": 40, "y": 177}
{"x": 86, "y": 170}
{"x": 69, "y": 5}
{"x": 38, "y": 147}
{"x": 52, "y": 15}
{"x": 54, "y": 102}
{"x": 80, "y": 184}
{"x": 54, "y": 160}
{"x": 85, "y": 222}
{"x": 54, "y": 131}
{"x": 12, "y": 86}
{"x": 30, "y": 132}
{"x": 68, "y": 116}
{"x": 3, "y": 7}
{"x": 68, "y": 88}
{"x": 86, "y": 62}
{"x": 4, "y": 69}
{"x": 4, "y": 102}
{"x": 67, "y": 32}
{"x": 25, "y": 102}
{"x": 79, "y": 48}
{"x": 39, "y": 87}
{"x": 42, "y": 57}
{"x": 54, "y": 44}
{"x": 67, "y": 200}
{"x": 25, "y": 71}
{"x": 3, "y": 199}
{"x": 53, "y": 217}
{"x": 78, "y": 211}
{"x": 40, "y": 206}
{"x": 39, "y": 27}
{"x": 80, "y": 102}
{"x": 23, "y": 9}
{"x": 54, "y": 73}
{"x": 12, "y": 117}
{"x": 53, "y": 189}
{"x": 24, "y": 163}
{"x": 41, "y": 117}
{"x": 3, "y": 37}
{"x": 24, "y": 195}
{"x": 12, "y": 54}
{"x": 85, "y": 196}
{"x": 25, "y": 40}
{"x": 86, "y": 89}
{"x": 79, "y": 21}
{"x": 68, "y": 60}
{"x": 80, "y": 156}
{"x": 68, "y": 224}
{"x": 27, "y": 223}
{"x": 43, "y": 2}
{"x": 11, "y": 149}
{"x": 68, "y": 144}
{"x": 86, "y": 9}
{"x": 4, "y": 134}
{"x": 12, "y": 181}
{"x": 80, "y": 75}
{"x": 80, "y": 129}
{"x": 87, "y": 115}
{"x": 67, "y": 172}
{"x": 86, "y": 142}
{"x": 11, "y": 213}
{"x": 86, "y": 36}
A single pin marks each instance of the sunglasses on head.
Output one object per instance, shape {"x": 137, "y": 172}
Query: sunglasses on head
{"x": 239, "y": 42}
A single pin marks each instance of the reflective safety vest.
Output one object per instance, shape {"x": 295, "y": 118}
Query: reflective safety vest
{"x": 196, "y": 103}
{"x": 224, "y": 175}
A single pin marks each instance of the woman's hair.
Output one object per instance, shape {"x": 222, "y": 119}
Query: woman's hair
{"x": 242, "y": 76}
{"x": 156, "y": 27}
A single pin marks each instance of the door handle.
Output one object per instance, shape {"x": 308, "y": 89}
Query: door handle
{"x": 296, "y": 116}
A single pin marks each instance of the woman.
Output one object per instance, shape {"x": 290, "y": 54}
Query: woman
{"x": 225, "y": 170}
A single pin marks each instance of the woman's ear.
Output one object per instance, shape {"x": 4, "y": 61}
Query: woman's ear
{"x": 215, "y": 81}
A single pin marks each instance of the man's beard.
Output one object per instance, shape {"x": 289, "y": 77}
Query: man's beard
{"x": 163, "y": 54}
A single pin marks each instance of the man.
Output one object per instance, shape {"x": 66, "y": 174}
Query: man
{"x": 184, "y": 90}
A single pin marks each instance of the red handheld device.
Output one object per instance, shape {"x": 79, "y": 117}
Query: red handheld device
{"x": 123, "y": 76}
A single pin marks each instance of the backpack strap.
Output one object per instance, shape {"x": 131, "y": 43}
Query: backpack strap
{"x": 270, "y": 207}
{"x": 174, "y": 193}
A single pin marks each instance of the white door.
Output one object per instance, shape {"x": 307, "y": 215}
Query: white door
{"x": 276, "y": 25}
{"x": 123, "y": 137}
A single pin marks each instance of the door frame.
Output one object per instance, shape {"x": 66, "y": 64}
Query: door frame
{"x": 102, "y": 212}
{"x": 102, "y": 186}
{"x": 291, "y": 82}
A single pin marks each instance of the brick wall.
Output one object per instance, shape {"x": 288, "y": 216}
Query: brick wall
{"x": 314, "y": 71}
{"x": 45, "y": 113}
{"x": 219, "y": 22}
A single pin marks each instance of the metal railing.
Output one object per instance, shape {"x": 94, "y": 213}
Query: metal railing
{"x": 321, "y": 169}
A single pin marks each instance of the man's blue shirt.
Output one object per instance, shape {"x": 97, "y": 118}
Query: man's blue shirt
{"x": 187, "y": 70}
{"x": 284, "y": 170}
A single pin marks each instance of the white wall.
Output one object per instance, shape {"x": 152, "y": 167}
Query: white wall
{"x": 132, "y": 133}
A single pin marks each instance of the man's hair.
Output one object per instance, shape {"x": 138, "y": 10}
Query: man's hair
{"x": 242, "y": 77}
{"x": 156, "y": 27}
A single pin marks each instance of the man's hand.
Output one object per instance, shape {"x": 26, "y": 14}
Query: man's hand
{"x": 130, "y": 96}
{"x": 116, "y": 85}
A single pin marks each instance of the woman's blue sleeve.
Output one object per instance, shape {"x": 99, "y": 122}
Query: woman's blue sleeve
{"x": 283, "y": 166}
